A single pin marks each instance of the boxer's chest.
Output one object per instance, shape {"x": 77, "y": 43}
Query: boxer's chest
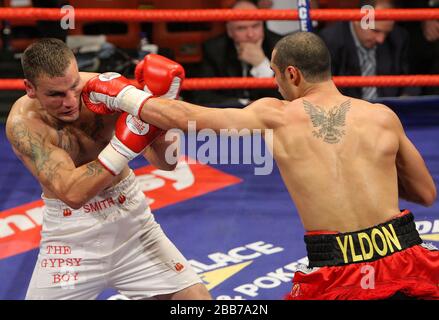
{"x": 86, "y": 139}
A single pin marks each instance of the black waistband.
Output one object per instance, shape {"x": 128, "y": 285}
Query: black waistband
{"x": 364, "y": 245}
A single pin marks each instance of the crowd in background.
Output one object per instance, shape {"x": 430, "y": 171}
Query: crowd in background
{"x": 392, "y": 48}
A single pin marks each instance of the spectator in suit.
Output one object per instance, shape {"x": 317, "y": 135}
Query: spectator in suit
{"x": 244, "y": 51}
{"x": 363, "y": 51}
{"x": 424, "y": 38}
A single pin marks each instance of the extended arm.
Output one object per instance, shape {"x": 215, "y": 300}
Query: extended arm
{"x": 167, "y": 114}
{"x": 111, "y": 92}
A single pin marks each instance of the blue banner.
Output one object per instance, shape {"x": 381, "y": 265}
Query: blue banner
{"x": 303, "y": 6}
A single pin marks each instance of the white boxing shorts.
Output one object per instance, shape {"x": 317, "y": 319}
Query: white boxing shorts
{"x": 113, "y": 241}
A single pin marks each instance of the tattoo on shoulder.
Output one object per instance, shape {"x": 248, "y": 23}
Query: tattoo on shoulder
{"x": 34, "y": 146}
{"x": 93, "y": 169}
{"x": 17, "y": 137}
{"x": 329, "y": 124}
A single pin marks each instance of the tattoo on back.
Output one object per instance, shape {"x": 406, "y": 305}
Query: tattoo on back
{"x": 329, "y": 125}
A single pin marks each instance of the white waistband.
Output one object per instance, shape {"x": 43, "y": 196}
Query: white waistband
{"x": 108, "y": 199}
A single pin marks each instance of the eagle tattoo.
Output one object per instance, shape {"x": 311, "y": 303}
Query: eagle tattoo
{"x": 329, "y": 124}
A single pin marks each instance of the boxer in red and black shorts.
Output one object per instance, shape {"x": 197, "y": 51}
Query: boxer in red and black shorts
{"x": 344, "y": 161}
{"x": 380, "y": 262}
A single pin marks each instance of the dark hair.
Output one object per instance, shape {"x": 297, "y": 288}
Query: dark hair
{"x": 307, "y": 52}
{"x": 47, "y": 56}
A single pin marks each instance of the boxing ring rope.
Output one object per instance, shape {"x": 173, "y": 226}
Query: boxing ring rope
{"x": 261, "y": 83}
{"x": 340, "y": 81}
{"x": 198, "y": 15}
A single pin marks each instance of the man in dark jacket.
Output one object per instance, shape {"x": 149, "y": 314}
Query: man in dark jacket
{"x": 357, "y": 49}
{"x": 50, "y": 29}
{"x": 243, "y": 52}
{"x": 424, "y": 41}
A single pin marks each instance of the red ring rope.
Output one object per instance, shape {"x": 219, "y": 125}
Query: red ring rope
{"x": 212, "y": 14}
{"x": 340, "y": 81}
{"x": 235, "y": 14}
{"x": 258, "y": 83}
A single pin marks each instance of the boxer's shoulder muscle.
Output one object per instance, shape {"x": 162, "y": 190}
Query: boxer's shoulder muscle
{"x": 270, "y": 111}
{"x": 26, "y": 128}
{"x": 383, "y": 117}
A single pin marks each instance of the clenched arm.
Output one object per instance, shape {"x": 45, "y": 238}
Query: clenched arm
{"x": 415, "y": 182}
{"x": 52, "y": 166}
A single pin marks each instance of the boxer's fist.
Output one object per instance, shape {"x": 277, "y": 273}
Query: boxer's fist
{"x": 160, "y": 76}
{"x": 110, "y": 92}
{"x": 131, "y": 137}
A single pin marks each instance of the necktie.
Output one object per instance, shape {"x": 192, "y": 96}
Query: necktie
{"x": 368, "y": 68}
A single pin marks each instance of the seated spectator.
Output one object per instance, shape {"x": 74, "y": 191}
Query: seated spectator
{"x": 244, "y": 51}
{"x": 424, "y": 39}
{"x": 362, "y": 51}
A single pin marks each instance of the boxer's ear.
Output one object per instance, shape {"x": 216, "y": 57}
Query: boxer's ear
{"x": 30, "y": 89}
{"x": 293, "y": 75}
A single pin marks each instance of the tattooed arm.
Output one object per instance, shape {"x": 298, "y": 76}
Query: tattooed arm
{"x": 52, "y": 166}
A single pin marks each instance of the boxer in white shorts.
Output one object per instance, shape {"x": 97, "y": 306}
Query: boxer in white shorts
{"x": 112, "y": 241}
{"x": 98, "y": 231}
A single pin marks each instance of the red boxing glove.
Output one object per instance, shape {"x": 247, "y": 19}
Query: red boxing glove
{"x": 131, "y": 137}
{"x": 160, "y": 76}
{"x": 110, "y": 92}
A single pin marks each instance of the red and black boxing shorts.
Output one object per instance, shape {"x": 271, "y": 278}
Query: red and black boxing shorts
{"x": 374, "y": 263}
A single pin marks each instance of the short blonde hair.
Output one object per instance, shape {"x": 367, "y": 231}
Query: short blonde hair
{"x": 47, "y": 56}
